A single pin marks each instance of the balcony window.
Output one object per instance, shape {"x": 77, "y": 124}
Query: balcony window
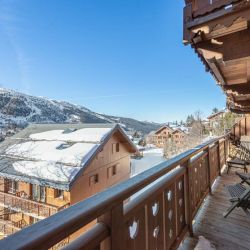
{"x": 12, "y": 186}
{"x": 38, "y": 193}
{"x": 93, "y": 179}
{"x": 58, "y": 193}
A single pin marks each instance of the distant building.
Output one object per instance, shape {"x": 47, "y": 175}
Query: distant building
{"x": 45, "y": 168}
{"x": 215, "y": 119}
{"x": 159, "y": 137}
{"x": 178, "y": 137}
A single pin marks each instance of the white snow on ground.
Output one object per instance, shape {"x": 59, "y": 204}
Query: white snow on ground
{"x": 84, "y": 135}
{"x": 153, "y": 151}
{"x": 48, "y": 151}
{"x": 46, "y": 170}
{"x": 151, "y": 157}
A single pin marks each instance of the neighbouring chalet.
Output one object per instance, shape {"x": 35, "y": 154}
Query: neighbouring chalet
{"x": 47, "y": 167}
{"x": 215, "y": 119}
{"x": 178, "y": 137}
{"x": 159, "y": 137}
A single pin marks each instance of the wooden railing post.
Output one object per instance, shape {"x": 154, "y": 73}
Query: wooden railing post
{"x": 188, "y": 197}
{"x": 114, "y": 220}
{"x": 209, "y": 170}
{"x": 117, "y": 233}
{"x": 219, "y": 159}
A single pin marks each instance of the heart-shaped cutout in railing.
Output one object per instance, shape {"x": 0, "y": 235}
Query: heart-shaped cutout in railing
{"x": 169, "y": 195}
{"x": 170, "y": 214}
{"x": 180, "y": 185}
{"x": 156, "y": 232}
{"x": 133, "y": 229}
{"x": 155, "y": 208}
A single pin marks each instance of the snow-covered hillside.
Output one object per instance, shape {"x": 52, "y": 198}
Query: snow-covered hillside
{"x": 21, "y": 109}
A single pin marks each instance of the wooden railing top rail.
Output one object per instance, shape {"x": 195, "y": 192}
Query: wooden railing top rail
{"x": 49, "y": 231}
{"x": 30, "y": 201}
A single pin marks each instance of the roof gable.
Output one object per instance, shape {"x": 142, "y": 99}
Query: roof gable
{"x": 164, "y": 128}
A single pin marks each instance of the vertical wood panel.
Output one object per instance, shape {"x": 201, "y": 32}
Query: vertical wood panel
{"x": 170, "y": 215}
{"x": 136, "y": 226}
{"x": 155, "y": 223}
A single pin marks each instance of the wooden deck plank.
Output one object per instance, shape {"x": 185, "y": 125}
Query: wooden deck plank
{"x": 231, "y": 233}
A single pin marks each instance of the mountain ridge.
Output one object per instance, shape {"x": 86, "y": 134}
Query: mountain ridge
{"x": 21, "y": 109}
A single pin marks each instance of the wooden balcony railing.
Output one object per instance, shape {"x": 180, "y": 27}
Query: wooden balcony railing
{"x": 27, "y": 206}
{"x": 7, "y": 228}
{"x": 241, "y": 128}
{"x": 153, "y": 210}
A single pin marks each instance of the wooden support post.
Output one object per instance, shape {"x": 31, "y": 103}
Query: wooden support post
{"x": 188, "y": 197}
{"x": 117, "y": 233}
{"x": 114, "y": 220}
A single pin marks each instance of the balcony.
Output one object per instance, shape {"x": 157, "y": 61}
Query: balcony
{"x": 29, "y": 207}
{"x": 155, "y": 209}
{"x": 229, "y": 233}
{"x": 7, "y": 228}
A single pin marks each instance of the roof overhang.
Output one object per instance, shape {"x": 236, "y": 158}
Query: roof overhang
{"x": 219, "y": 32}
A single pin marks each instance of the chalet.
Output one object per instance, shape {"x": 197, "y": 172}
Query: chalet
{"x": 215, "y": 119}
{"x": 178, "y": 137}
{"x": 159, "y": 137}
{"x": 45, "y": 168}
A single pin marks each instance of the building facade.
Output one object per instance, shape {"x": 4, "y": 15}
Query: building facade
{"x": 165, "y": 133}
{"x": 36, "y": 184}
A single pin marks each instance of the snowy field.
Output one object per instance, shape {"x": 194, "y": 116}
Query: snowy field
{"x": 151, "y": 157}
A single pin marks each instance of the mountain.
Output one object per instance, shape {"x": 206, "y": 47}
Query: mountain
{"x": 20, "y": 109}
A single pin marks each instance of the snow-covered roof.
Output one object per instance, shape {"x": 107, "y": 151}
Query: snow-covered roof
{"x": 54, "y": 154}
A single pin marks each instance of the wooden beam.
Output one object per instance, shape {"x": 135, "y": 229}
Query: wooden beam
{"x": 237, "y": 89}
{"x": 248, "y": 70}
{"x": 216, "y": 70}
{"x": 242, "y": 103}
{"x": 231, "y": 47}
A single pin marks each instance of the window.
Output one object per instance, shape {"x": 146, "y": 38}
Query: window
{"x": 12, "y": 186}
{"x": 115, "y": 147}
{"x": 38, "y": 193}
{"x": 33, "y": 220}
{"x": 112, "y": 171}
{"x": 93, "y": 179}
{"x": 58, "y": 193}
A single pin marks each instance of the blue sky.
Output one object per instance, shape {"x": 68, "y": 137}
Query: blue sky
{"x": 119, "y": 57}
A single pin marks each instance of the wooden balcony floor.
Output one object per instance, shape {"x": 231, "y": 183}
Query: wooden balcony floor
{"x": 231, "y": 233}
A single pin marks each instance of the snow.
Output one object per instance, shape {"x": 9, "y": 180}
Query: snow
{"x": 48, "y": 151}
{"x": 80, "y": 135}
{"x": 153, "y": 151}
{"x": 46, "y": 170}
{"x": 56, "y": 155}
{"x": 204, "y": 244}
